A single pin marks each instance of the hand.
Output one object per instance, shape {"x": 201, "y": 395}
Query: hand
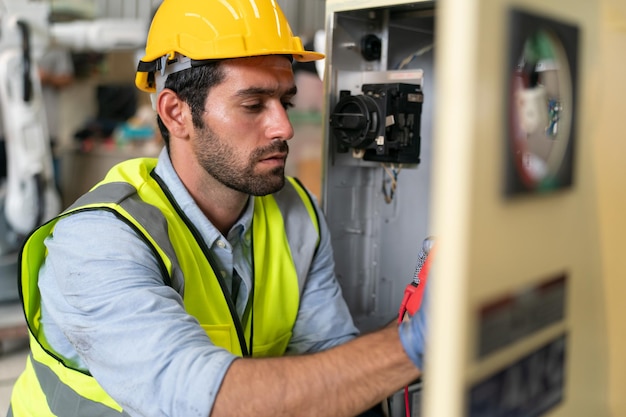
{"x": 413, "y": 332}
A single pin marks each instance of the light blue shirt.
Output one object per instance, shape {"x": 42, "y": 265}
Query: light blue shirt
{"x": 106, "y": 309}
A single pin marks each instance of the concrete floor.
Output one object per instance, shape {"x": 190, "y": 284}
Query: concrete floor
{"x": 13, "y": 350}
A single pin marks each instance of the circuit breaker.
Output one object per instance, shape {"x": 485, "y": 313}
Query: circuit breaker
{"x": 381, "y": 124}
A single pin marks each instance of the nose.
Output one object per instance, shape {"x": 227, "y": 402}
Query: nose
{"x": 279, "y": 126}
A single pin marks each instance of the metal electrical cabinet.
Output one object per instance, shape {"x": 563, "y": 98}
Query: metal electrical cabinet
{"x": 378, "y": 171}
{"x": 377, "y": 176}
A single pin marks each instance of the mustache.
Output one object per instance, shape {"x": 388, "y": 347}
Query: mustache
{"x": 274, "y": 147}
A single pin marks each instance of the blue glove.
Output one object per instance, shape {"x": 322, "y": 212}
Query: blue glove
{"x": 413, "y": 332}
{"x": 416, "y": 301}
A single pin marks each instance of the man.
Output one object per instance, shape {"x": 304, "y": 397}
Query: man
{"x": 202, "y": 283}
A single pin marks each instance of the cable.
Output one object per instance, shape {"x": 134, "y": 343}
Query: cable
{"x": 414, "y": 55}
{"x": 413, "y": 294}
{"x": 393, "y": 175}
{"x": 408, "y": 292}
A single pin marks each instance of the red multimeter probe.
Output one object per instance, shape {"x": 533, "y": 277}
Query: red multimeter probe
{"x": 412, "y": 301}
{"x": 414, "y": 292}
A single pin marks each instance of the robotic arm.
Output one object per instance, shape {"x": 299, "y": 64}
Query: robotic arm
{"x": 102, "y": 35}
{"x": 29, "y": 192}
{"x": 30, "y": 196}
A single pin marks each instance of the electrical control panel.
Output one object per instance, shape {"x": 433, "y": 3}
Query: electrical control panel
{"x": 378, "y": 141}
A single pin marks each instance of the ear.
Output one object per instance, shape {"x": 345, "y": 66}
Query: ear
{"x": 175, "y": 114}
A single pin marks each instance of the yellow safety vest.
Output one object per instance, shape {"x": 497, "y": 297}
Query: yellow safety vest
{"x": 285, "y": 235}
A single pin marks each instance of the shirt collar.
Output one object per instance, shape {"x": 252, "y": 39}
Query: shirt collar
{"x": 209, "y": 232}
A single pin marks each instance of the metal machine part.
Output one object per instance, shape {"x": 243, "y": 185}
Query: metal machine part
{"x": 31, "y": 196}
{"x": 371, "y": 47}
{"x": 383, "y": 122}
{"x": 101, "y": 35}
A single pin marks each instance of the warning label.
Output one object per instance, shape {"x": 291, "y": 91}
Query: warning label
{"x": 528, "y": 387}
{"x": 515, "y": 316}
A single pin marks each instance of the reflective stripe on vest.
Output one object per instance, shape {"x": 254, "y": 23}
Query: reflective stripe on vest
{"x": 45, "y": 394}
{"x": 125, "y": 195}
{"x": 66, "y": 401}
{"x": 289, "y": 213}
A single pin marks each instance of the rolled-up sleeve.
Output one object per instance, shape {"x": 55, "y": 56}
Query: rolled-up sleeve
{"x": 106, "y": 308}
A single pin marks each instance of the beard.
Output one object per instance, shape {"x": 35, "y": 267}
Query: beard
{"x": 222, "y": 162}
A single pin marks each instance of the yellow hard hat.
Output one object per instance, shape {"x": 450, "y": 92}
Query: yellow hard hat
{"x": 217, "y": 29}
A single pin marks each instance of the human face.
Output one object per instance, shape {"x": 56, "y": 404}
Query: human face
{"x": 243, "y": 143}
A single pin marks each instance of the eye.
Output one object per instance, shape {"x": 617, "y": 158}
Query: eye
{"x": 254, "y": 107}
{"x": 287, "y": 105}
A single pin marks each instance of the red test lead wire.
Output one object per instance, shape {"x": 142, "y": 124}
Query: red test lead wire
{"x": 411, "y": 303}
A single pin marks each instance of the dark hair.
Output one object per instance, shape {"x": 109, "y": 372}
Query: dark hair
{"x": 192, "y": 86}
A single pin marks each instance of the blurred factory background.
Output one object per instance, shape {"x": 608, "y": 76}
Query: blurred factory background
{"x": 97, "y": 117}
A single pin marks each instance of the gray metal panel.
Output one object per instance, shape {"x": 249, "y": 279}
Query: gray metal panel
{"x": 376, "y": 243}
{"x": 130, "y": 9}
{"x": 305, "y": 17}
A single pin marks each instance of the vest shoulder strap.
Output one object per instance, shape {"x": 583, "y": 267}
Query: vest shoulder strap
{"x": 112, "y": 192}
{"x": 153, "y": 224}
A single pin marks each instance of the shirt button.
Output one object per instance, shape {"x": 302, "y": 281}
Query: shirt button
{"x": 223, "y": 274}
{"x": 221, "y": 244}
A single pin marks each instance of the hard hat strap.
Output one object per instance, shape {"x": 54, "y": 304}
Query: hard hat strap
{"x": 166, "y": 67}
